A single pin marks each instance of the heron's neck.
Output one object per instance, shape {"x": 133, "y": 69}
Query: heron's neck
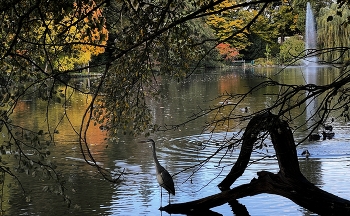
{"x": 154, "y": 155}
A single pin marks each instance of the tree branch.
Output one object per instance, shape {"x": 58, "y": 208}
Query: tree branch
{"x": 289, "y": 182}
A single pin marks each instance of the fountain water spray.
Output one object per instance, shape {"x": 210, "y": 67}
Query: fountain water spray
{"x": 310, "y": 36}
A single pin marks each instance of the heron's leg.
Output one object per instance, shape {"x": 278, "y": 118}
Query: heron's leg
{"x": 161, "y": 196}
{"x": 169, "y": 198}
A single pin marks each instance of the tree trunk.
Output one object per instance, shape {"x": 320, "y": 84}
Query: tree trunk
{"x": 289, "y": 182}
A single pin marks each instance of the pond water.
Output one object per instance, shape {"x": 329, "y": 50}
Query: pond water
{"x": 179, "y": 151}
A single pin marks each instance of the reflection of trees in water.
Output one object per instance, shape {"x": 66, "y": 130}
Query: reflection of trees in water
{"x": 80, "y": 187}
{"x": 311, "y": 169}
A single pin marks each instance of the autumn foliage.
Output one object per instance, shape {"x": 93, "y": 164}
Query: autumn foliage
{"x": 227, "y": 51}
{"x": 82, "y": 31}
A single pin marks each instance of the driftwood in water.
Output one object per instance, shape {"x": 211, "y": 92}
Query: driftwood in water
{"x": 289, "y": 182}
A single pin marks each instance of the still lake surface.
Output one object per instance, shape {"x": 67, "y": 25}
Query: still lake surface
{"x": 178, "y": 150}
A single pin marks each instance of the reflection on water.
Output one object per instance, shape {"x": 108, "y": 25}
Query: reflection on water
{"x": 183, "y": 152}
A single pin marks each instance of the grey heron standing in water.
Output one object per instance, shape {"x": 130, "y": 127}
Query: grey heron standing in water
{"x": 163, "y": 177}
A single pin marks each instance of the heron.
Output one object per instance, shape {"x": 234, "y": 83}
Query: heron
{"x": 163, "y": 177}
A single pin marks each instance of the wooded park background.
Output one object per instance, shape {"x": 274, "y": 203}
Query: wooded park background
{"x": 129, "y": 44}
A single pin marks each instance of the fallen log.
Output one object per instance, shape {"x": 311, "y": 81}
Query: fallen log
{"x": 289, "y": 182}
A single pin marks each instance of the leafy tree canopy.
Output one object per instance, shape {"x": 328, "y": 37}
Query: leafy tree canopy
{"x": 291, "y": 50}
{"x": 333, "y": 31}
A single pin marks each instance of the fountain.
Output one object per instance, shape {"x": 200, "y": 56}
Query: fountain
{"x": 310, "y": 37}
{"x": 310, "y": 61}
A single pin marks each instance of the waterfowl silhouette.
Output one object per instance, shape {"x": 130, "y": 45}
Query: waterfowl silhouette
{"x": 327, "y": 135}
{"x": 306, "y": 153}
{"x": 314, "y": 137}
